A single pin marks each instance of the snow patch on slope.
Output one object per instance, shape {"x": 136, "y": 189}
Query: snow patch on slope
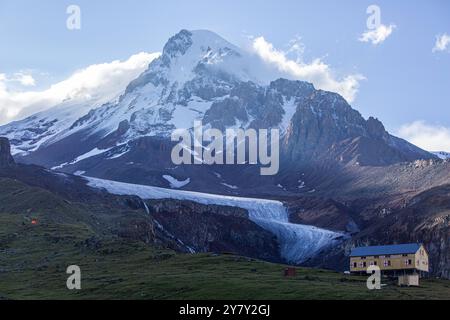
{"x": 442, "y": 154}
{"x": 121, "y": 151}
{"x": 290, "y": 107}
{"x": 94, "y": 152}
{"x": 176, "y": 184}
{"x": 229, "y": 186}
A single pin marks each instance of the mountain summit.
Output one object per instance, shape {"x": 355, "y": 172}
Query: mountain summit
{"x": 190, "y": 54}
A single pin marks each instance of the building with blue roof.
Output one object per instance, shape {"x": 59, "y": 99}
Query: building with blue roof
{"x": 407, "y": 258}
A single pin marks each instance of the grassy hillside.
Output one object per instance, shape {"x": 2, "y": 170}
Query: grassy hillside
{"x": 34, "y": 258}
{"x": 124, "y": 271}
{"x": 34, "y": 262}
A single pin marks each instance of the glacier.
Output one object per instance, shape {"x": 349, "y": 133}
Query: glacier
{"x": 298, "y": 243}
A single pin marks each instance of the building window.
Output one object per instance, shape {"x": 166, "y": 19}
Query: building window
{"x": 404, "y": 255}
{"x": 363, "y": 258}
{"x": 387, "y": 256}
{"x": 387, "y": 263}
{"x": 374, "y": 263}
{"x": 408, "y": 262}
{"x": 361, "y": 264}
{"x": 355, "y": 264}
{"x": 364, "y": 264}
{"x": 376, "y": 257}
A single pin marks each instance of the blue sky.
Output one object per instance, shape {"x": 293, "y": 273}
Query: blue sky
{"x": 406, "y": 83}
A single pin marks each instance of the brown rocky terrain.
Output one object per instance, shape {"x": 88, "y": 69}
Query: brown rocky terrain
{"x": 396, "y": 204}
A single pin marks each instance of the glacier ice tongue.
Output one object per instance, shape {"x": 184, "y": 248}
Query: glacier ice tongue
{"x": 298, "y": 242}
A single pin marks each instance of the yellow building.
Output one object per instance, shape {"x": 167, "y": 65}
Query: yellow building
{"x": 400, "y": 257}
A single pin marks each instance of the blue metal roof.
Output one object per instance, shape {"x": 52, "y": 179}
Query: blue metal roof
{"x": 383, "y": 250}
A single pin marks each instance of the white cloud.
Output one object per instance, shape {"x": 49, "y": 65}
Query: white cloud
{"x": 378, "y": 35}
{"x": 297, "y": 47}
{"x": 316, "y": 72}
{"x": 426, "y": 136}
{"x": 25, "y": 79}
{"x": 442, "y": 43}
{"x": 102, "y": 82}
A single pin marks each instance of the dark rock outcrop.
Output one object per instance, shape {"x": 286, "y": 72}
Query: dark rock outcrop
{"x": 184, "y": 207}
{"x": 325, "y": 128}
{"x": 212, "y": 228}
{"x": 6, "y": 159}
{"x": 322, "y": 212}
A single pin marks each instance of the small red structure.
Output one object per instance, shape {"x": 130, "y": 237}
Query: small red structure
{"x": 290, "y": 272}
{"x": 34, "y": 221}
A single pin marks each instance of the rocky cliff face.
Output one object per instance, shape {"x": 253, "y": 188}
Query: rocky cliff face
{"x": 211, "y": 228}
{"x": 423, "y": 218}
{"x": 6, "y": 159}
{"x": 326, "y": 128}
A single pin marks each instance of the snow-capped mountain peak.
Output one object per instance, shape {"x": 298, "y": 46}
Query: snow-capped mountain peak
{"x": 189, "y": 54}
{"x": 201, "y": 76}
{"x": 197, "y": 71}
